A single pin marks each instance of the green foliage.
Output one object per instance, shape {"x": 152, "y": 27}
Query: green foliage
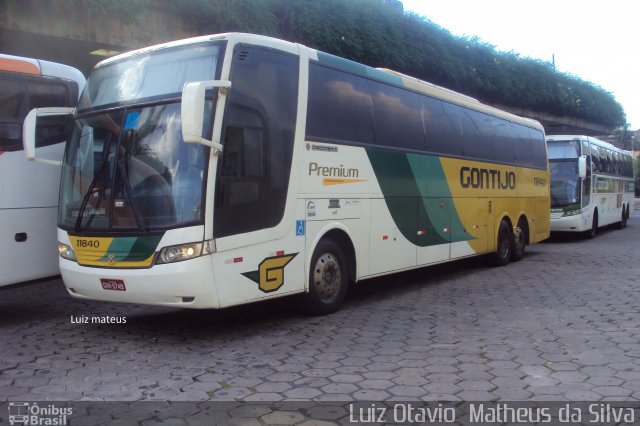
{"x": 370, "y": 32}
{"x": 219, "y": 16}
{"x": 379, "y": 35}
{"x": 127, "y": 11}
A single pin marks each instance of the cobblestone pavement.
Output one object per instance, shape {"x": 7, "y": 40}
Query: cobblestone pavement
{"x": 562, "y": 324}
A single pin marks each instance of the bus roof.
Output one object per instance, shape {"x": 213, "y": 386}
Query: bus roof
{"x": 40, "y": 68}
{"x": 558, "y": 138}
{"x": 391, "y": 77}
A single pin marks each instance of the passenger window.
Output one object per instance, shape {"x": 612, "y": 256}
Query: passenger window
{"x": 523, "y": 145}
{"x": 51, "y": 130}
{"x": 539, "y": 149}
{"x": 474, "y": 143}
{"x": 13, "y": 108}
{"x": 586, "y": 152}
{"x": 340, "y": 107}
{"x": 595, "y": 158}
{"x": 397, "y": 117}
{"x": 443, "y": 131}
{"x": 257, "y": 135}
{"x": 17, "y": 98}
{"x": 616, "y": 163}
{"x": 607, "y": 159}
{"x": 505, "y": 143}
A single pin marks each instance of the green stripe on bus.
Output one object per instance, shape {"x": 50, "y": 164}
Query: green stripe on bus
{"x": 417, "y": 195}
{"x": 132, "y": 249}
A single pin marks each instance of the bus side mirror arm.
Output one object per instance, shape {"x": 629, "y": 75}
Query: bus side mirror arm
{"x": 192, "y": 112}
{"x": 582, "y": 166}
{"x": 29, "y": 131}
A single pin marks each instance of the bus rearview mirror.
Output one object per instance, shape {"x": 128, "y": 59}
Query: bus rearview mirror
{"x": 29, "y": 131}
{"x": 582, "y": 166}
{"x": 192, "y": 111}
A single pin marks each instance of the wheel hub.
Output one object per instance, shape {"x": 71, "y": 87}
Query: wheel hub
{"x": 327, "y": 277}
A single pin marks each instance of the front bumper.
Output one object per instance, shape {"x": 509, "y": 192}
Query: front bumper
{"x": 577, "y": 223}
{"x": 188, "y": 284}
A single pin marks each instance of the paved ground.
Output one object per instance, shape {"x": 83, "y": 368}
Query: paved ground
{"x": 563, "y": 324}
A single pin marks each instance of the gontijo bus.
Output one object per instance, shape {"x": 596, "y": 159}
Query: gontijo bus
{"x": 233, "y": 168}
{"x": 591, "y": 184}
{"x": 29, "y": 195}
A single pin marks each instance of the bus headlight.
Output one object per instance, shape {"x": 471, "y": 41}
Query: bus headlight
{"x": 66, "y": 252}
{"x": 572, "y": 212}
{"x": 185, "y": 252}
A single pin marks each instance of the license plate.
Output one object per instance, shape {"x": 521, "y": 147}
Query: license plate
{"x": 109, "y": 284}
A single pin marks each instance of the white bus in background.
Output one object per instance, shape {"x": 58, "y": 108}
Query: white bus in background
{"x": 29, "y": 191}
{"x": 591, "y": 184}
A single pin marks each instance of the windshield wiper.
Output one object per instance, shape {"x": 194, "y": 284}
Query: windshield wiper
{"x": 94, "y": 181}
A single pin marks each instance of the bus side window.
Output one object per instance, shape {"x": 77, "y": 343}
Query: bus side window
{"x": 340, "y": 106}
{"x": 506, "y": 147}
{"x": 474, "y": 142}
{"x": 523, "y": 146}
{"x": 439, "y": 128}
{"x": 13, "y": 108}
{"x": 538, "y": 148}
{"x": 604, "y": 162}
{"x": 454, "y": 115}
{"x": 397, "y": 117}
{"x": 586, "y": 183}
{"x": 242, "y": 165}
{"x": 595, "y": 159}
{"x": 51, "y": 130}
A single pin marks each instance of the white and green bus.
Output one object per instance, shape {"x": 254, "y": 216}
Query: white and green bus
{"x": 233, "y": 168}
{"x": 591, "y": 184}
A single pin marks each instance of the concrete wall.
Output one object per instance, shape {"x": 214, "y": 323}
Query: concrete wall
{"x": 155, "y": 24}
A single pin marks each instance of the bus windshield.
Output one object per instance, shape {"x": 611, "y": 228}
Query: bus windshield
{"x": 128, "y": 168}
{"x": 153, "y": 75}
{"x": 565, "y": 183}
{"x": 563, "y": 149}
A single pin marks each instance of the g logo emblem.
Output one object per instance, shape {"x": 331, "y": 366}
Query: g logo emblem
{"x": 270, "y": 273}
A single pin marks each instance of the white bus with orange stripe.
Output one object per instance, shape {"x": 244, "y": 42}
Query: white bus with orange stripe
{"x": 29, "y": 195}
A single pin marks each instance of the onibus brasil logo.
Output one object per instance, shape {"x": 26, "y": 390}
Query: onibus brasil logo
{"x": 26, "y": 413}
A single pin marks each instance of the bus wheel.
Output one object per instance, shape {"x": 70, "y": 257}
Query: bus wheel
{"x": 505, "y": 245}
{"x": 623, "y": 220}
{"x": 519, "y": 241}
{"x": 328, "y": 279}
{"x": 594, "y": 226}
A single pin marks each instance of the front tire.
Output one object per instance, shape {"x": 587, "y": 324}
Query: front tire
{"x": 504, "y": 246}
{"x": 591, "y": 234}
{"x": 328, "y": 279}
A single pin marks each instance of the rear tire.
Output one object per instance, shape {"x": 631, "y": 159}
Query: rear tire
{"x": 504, "y": 246}
{"x": 623, "y": 219}
{"x": 519, "y": 241}
{"x": 328, "y": 279}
